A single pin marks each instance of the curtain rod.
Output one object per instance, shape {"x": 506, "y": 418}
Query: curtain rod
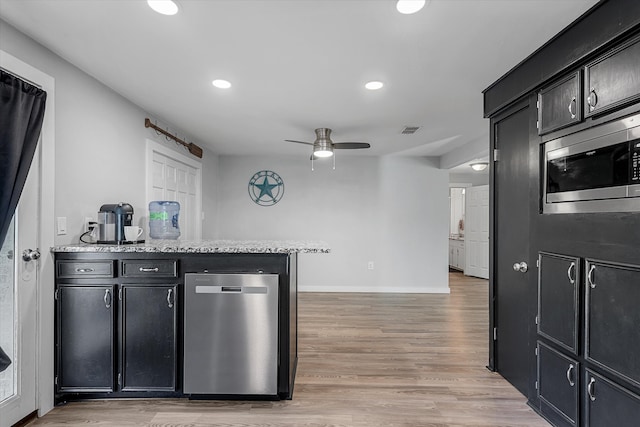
{"x": 193, "y": 148}
{"x": 18, "y": 76}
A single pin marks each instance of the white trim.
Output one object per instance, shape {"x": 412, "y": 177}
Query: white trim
{"x": 45, "y": 302}
{"x": 383, "y": 290}
{"x": 155, "y": 146}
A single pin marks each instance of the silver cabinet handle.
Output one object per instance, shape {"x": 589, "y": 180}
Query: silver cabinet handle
{"x": 84, "y": 270}
{"x": 522, "y": 267}
{"x": 169, "y": 299}
{"x": 591, "y": 390}
{"x": 571, "y": 104}
{"x": 149, "y": 269}
{"x": 107, "y": 298}
{"x": 572, "y": 278}
{"x": 590, "y": 277}
{"x": 592, "y": 99}
{"x": 571, "y": 382}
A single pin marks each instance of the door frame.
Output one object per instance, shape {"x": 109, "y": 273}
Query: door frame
{"x": 45, "y": 287}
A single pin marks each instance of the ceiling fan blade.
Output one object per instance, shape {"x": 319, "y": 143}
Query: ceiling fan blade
{"x": 351, "y": 145}
{"x": 299, "y": 142}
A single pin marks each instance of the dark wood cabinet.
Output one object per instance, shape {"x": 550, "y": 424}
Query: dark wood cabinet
{"x": 560, "y": 104}
{"x": 148, "y": 324}
{"x": 608, "y": 404}
{"x": 612, "y": 305}
{"x": 558, "y": 299}
{"x": 114, "y": 336}
{"x": 558, "y": 385}
{"x": 119, "y": 320}
{"x": 85, "y": 338}
{"x": 613, "y": 79}
{"x": 583, "y": 313}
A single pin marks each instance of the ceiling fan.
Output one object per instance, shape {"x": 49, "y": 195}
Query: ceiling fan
{"x": 323, "y": 146}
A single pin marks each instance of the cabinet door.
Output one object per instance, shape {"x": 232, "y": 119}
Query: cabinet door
{"x": 613, "y": 79}
{"x": 148, "y": 333}
{"x": 612, "y": 318}
{"x": 608, "y": 404}
{"x": 558, "y": 279}
{"x": 560, "y": 104}
{"x": 558, "y": 388}
{"x": 85, "y": 338}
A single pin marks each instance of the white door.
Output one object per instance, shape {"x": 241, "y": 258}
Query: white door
{"x": 18, "y": 301}
{"x": 476, "y": 235}
{"x": 172, "y": 176}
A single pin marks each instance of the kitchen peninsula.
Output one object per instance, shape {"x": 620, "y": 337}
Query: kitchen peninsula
{"x": 140, "y": 320}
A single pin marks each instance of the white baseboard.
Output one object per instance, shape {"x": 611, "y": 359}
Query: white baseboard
{"x": 387, "y": 290}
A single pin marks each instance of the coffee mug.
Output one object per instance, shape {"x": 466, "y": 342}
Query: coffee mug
{"x": 132, "y": 232}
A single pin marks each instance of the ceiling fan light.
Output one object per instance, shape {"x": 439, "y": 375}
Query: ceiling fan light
{"x": 407, "y": 7}
{"x": 479, "y": 166}
{"x": 323, "y": 152}
{"x": 164, "y": 7}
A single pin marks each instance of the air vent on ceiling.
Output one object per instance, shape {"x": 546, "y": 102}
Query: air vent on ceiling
{"x": 410, "y": 130}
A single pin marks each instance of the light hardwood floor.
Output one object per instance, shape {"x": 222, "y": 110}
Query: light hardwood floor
{"x": 365, "y": 360}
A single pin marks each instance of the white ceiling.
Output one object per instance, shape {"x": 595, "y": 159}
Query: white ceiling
{"x": 296, "y": 65}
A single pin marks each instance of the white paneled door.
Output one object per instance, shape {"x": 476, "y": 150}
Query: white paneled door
{"x": 175, "y": 177}
{"x": 476, "y": 236}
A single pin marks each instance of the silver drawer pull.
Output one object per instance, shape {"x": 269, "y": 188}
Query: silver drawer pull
{"x": 572, "y": 279}
{"x": 590, "y": 277}
{"x": 107, "y": 298}
{"x": 169, "y": 299}
{"x": 149, "y": 269}
{"x": 590, "y": 389}
{"x": 571, "y": 382}
{"x": 571, "y": 104}
{"x": 84, "y": 270}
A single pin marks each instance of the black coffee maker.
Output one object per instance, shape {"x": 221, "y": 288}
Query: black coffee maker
{"x": 111, "y": 222}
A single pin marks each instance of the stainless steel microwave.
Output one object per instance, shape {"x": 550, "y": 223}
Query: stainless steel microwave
{"x": 595, "y": 170}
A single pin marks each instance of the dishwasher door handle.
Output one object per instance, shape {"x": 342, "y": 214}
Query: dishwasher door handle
{"x": 231, "y": 289}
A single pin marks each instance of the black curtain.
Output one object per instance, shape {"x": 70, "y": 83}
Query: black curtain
{"x": 21, "y": 114}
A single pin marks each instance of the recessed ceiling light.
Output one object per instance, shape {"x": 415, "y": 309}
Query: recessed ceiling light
{"x": 221, "y": 84}
{"x": 408, "y": 7}
{"x": 165, "y": 7}
{"x": 375, "y": 85}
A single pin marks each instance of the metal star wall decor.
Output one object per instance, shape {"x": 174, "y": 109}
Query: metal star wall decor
{"x": 266, "y": 188}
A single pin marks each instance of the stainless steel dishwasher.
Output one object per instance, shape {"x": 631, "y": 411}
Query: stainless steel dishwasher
{"x": 231, "y": 334}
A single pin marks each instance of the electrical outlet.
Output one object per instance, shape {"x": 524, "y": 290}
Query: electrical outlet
{"x": 370, "y": 265}
{"x": 87, "y": 223}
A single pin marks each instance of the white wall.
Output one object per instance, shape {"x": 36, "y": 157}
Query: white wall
{"x": 393, "y": 211}
{"x": 472, "y": 179}
{"x": 100, "y": 141}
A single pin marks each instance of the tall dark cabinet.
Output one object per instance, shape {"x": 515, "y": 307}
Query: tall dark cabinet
{"x": 565, "y": 287}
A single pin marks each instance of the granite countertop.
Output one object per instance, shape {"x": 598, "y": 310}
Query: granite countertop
{"x": 205, "y": 246}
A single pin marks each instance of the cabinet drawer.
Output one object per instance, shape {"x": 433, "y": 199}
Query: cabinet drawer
{"x": 558, "y": 385}
{"x": 149, "y": 268}
{"x": 86, "y": 269}
{"x": 608, "y": 404}
{"x": 560, "y": 104}
{"x": 612, "y": 318}
{"x": 558, "y": 299}
{"x": 613, "y": 80}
